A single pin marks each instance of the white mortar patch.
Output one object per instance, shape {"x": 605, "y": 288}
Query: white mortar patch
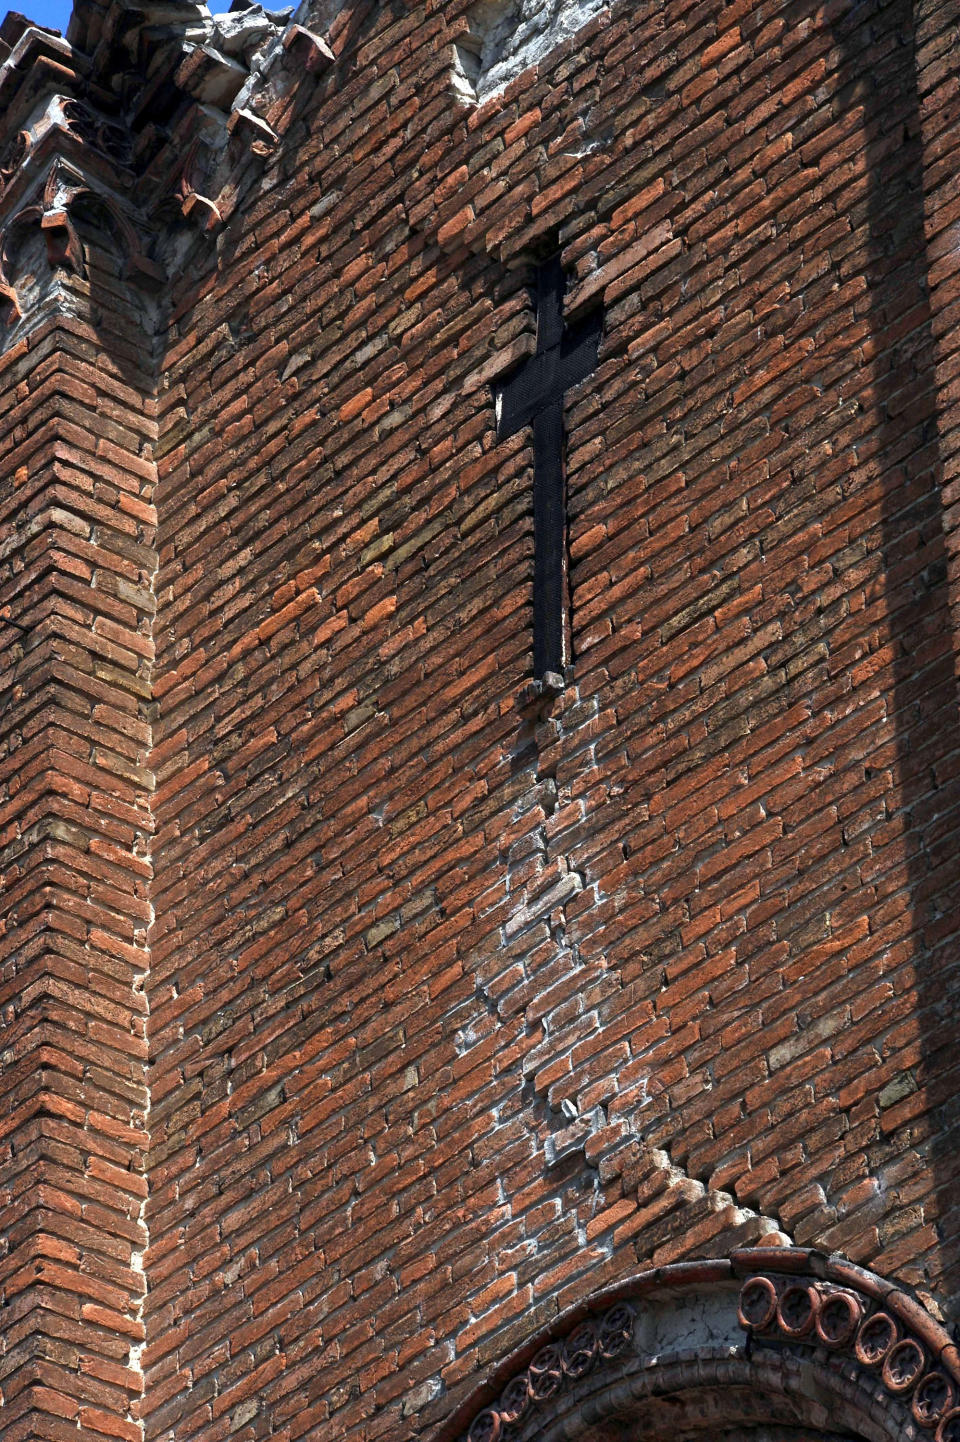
{"x": 506, "y": 37}
{"x": 690, "y": 1321}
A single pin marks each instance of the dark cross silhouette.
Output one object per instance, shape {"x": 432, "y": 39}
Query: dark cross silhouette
{"x": 534, "y": 392}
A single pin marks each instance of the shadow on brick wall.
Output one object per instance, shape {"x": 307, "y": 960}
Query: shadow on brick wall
{"x": 917, "y": 1114}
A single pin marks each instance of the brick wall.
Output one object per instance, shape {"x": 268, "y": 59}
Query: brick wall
{"x": 466, "y": 998}
{"x": 76, "y": 524}
{"x": 708, "y": 894}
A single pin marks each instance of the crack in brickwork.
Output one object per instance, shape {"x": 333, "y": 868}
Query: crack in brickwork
{"x": 538, "y": 972}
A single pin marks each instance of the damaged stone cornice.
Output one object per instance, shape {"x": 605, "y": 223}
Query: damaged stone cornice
{"x": 164, "y": 115}
{"x": 32, "y": 59}
{"x": 199, "y": 94}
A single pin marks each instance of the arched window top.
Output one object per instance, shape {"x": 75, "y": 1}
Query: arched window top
{"x": 770, "y": 1345}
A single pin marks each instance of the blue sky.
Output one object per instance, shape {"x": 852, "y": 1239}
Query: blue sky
{"x": 55, "y": 13}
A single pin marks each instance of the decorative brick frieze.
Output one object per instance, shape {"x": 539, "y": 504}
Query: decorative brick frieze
{"x": 589, "y": 1345}
{"x": 802, "y": 1302}
{"x": 819, "y": 1314}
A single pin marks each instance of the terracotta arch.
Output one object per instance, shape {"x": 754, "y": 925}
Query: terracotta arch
{"x": 771, "y": 1343}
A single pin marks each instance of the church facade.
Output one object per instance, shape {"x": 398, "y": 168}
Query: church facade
{"x": 479, "y": 783}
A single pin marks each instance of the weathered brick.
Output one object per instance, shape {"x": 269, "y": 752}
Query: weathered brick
{"x": 321, "y": 915}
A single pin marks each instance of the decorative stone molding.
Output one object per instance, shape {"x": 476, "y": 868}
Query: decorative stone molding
{"x": 15, "y": 155}
{"x": 790, "y": 1319}
{"x": 98, "y": 132}
{"x": 64, "y": 195}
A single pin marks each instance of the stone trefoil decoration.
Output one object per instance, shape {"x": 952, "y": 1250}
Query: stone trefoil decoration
{"x": 589, "y": 1345}
{"x": 816, "y": 1340}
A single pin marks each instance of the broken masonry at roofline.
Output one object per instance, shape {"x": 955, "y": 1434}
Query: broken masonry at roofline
{"x": 147, "y": 115}
{"x": 164, "y": 113}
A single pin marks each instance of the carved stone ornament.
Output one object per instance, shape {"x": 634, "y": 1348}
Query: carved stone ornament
{"x": 773, "y": 1338}
{"x": 15, "y": 155}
